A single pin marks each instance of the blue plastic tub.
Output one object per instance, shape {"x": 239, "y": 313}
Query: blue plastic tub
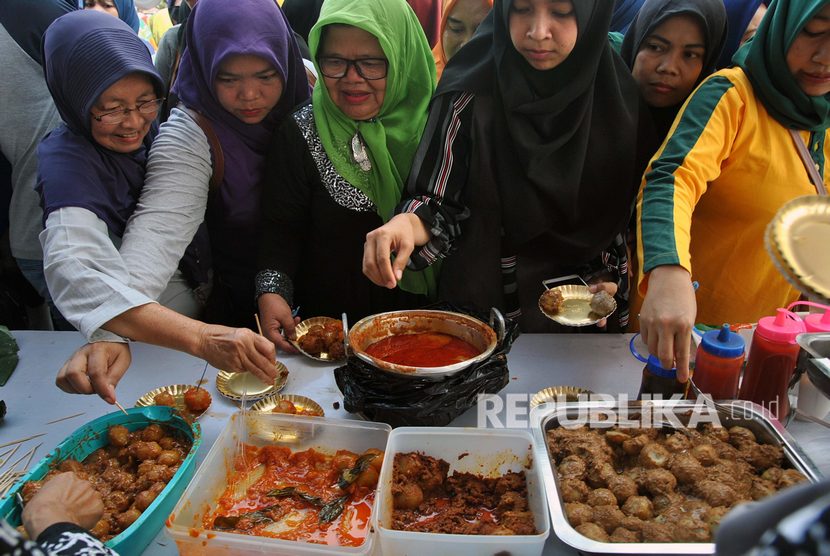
{"x": 93, "y": 435}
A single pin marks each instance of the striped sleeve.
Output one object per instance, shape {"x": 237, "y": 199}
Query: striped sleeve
{"x": 679, "y": 174}
{"x": 439, "y": 175}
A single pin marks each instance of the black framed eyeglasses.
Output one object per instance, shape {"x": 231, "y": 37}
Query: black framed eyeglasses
{"x": 367, "y": 68}
{"x": 148, "y": 107}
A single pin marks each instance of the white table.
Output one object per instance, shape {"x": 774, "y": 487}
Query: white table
{"x": 601, "y": 363}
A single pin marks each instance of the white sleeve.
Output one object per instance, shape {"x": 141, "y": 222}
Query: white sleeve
{"x": 171, "y": 206}
{"x": 85, "y": 273}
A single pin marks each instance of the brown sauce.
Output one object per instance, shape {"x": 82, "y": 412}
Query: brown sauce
{"x": 430, "y": 349}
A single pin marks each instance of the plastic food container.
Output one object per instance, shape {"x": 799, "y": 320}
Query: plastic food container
{"x": 746, "y": 414}
{"x": 260, "y": 429}
{"x": 487, "y": 452}
{"x": 93, "y": 435}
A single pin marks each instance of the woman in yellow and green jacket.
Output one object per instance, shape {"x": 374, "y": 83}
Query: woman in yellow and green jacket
{"x": 728, "y": 164}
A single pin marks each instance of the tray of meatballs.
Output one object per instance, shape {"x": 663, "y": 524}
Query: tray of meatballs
{"x": 632, "y": 480}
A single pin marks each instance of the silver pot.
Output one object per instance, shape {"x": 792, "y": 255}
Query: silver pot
{"x": 377, "y": 327}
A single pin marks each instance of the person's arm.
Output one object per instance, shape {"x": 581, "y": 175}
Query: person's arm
{"x": 431, "y": 209}
{"x": 290, "y": 174}
{"x": 674, "y": 182}
{"x": 86, "y": 275}
{"x": 171, "y": 206}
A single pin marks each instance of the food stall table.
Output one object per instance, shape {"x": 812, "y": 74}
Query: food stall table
{"x": 598, "y": 362}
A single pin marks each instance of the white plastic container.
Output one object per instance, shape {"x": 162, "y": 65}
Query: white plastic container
{"x": 297, "y": 433}
{"x": 487, "y": 452}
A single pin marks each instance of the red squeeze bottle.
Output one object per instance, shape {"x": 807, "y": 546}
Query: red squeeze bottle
{"x": 772, "y": 358}
{"x": 718, "y": 362}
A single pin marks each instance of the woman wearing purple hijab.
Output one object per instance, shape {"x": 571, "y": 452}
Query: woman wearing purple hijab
{"x": 91, "y": 172}
{"x": 242, "y": 72}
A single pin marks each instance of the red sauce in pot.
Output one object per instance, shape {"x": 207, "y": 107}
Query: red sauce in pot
{"x": 430, "y": 349}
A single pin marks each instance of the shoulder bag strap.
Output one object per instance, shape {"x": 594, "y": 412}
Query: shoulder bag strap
{"x": 808, "y": 162}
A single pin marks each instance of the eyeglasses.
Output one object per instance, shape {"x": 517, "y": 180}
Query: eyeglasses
{"x": 148, "y": 107}
{"x": 367, "y": 68}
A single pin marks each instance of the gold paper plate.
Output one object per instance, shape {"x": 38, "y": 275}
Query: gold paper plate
{"x": 301, "y": 330}
{"x": 232, "y": 385}
{"x": 177, "y": 391}
{"x": 796, "y": 239}
{"x": 552, "y": 394}
{"x": 305, "y": 406}
{"x": 576, "y": 306}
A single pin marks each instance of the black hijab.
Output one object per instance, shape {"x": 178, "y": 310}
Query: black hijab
{"x": 566, "y": 155}
{"x": 710, "y": 14}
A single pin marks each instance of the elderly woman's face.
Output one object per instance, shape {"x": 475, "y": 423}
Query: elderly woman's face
{"x": 134, "y": 94}
{"x": 356, "y": 96}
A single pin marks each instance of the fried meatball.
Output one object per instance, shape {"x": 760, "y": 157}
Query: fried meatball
{"x": 687, "y": 469}
{"x": 601, "y": 497}
{"x": 592, "y": 531}
{"x": 656, "y": 532}
{"x": 621, "y": 534}
{"x": 602, "y": 303}
{"x": 118, "y": 435}
{"x": 623, "y": 487}
{"x": 573, "y": 490}
{"x": 408, "y": 497}
{"x": 763, "y": 456}
{"x": 164, "y": 398}
{"x": 196, "y": 400}
{"x": 608, "y": 517}
{"x": 659, "y": 481}
{"x": 790, "y": 477}
{"x": 578, "y": 513}
{"x": 705, "y": 454}
{"x": 639, "y": 507}
{"x": 716, "y": 493}
{"x": 551, "y": 301}
{"x": 572, "y": 467}
{"x": 653, "y": 456}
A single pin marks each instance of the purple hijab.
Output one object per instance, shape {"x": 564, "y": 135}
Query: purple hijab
{"x": 84, "y": 53}
{"x": 215, "y": 30}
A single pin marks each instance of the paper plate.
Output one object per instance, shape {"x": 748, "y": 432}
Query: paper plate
{"x": 233, "y": 385}
{"x": 576, "y": 306}
{"x": 796, "y": 239}
{"x": 175, "y": 390}
{"x": 553, "y": 393}
{"x": 301, "y": 330}
{"x": 305, "y": 406}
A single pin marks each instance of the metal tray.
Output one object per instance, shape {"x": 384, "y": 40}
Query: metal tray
{"x": 746, "y": 414}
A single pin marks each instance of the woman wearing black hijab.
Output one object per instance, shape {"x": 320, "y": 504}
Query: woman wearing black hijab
{"x": 528, "y": 166}
{"x": 671, "y": 47}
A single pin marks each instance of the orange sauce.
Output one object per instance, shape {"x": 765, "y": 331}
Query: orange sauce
{"x": 430, "y": 349}
{"x": 310, "y": 472}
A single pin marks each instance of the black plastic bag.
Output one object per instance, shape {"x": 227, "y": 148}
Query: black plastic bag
{"x": 404, "y": 400}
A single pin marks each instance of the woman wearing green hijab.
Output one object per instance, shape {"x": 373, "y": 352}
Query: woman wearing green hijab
{"x": 336, "y": 168}
{"x": 731, "y": 161}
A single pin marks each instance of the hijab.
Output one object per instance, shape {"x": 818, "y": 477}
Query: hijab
{"x": 392, "y": 137}
{"x": 438, "y": 51}
{"x": 764, "y": 60}
{"x": 26, "y": 21}
{"x": 216, "y": 30}
{"x": 127, "y": 13}
{"x": 565, "y": 159}
{"x": 85, "y": 52}
{"x": 710, "y": 15}
{"x": 624, "y": 13}
{"x": 738, "y": 13}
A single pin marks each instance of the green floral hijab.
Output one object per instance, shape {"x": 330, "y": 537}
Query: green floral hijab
{"x": 392, "y": 137}
{"x": 764, "y": 59}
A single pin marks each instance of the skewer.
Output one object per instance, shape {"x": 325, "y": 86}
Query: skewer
{"x": 65, "y": 418}
{"x": 121, "y": 407}
{"x": 21, "y": 440}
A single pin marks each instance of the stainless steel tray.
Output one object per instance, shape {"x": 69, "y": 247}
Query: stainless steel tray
{"x": 746, "y": 414}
